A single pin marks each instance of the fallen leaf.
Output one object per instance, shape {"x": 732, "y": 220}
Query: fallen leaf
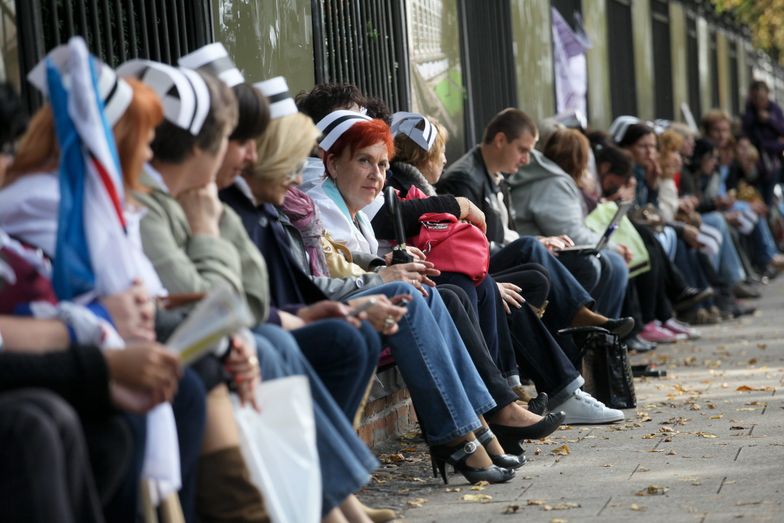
{"x": 717, "y": 416}
{"x": 557, "y": 520}
{"x": 608, "y": 465}
{"x": 636, "y": 507}
{"x": 535, "y": 502}
{"x": 563, "y": 450}
{"x": 737, "y": 427}
{"x": 652, "y": 490}
{"x": 694, "y": 406}
{"x": 537, "y": 451}
{"x": 643, "y": 416}
{"x": 416, "y": 503}
{"x": 391, "y": 458}
{"x": 671, "y": 453}
{"x": 666, "y": 429}
{"x": 753, "y": 361}
{"x": 477, "y": 498}
{"x": 511, "y": 509}
{"x": 706, "y": 435}
{"x": 744, "y": 503}
{"x": 643, "y": 469}
{"x": 453, "y": 489}
{"x": 711, "y": 406}
{"x": 650, "y": 436}
{"x": 479, "y": 485}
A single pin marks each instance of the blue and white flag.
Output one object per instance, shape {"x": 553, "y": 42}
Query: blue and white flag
{"x": 94, "y": 254}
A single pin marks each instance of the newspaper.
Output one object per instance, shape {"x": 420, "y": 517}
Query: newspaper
{"x": 220, "y": 313}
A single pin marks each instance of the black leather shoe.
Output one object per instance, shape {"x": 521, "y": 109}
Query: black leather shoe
{"x": 440, "y": 455}
{"x": 637, "y": 344}
{"x": 538, "y": 405}
{"x": 509, "y": 437}
{"x": 507, "y": 461}
{"x": 619, "y": 326}
{"x": 691, "y": 297}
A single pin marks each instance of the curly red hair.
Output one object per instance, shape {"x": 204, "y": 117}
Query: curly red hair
{"x": 364, "y": 134}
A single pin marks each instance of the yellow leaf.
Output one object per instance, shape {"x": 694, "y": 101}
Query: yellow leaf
{"x": 416, "y": 503}
{"x": 535, "y": 502}
{"x": 477, "y": 498}
{"x": 511, "y": 509}
{"x": 636, "y": 507}
{"x": 717, "y": 416}
{"x": 706, "y": 435}
{"x": 563, "y": 450}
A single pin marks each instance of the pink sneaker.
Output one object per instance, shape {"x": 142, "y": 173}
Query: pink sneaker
{"x": 678, "y": 327}
{"x": 656, "y": 334}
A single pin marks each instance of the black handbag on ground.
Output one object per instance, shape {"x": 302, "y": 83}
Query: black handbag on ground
{"x": 605, "y": 365}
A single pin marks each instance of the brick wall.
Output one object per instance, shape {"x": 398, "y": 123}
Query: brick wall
{"x": 388, "y": 412}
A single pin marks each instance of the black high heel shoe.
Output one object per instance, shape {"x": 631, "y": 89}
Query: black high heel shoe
{"x": 507, "y": 461}
{"x": 509, "y": 437}
{"x": 440, "y": 455}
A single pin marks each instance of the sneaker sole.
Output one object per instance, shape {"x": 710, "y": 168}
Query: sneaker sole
{"x": 584, "y": 421}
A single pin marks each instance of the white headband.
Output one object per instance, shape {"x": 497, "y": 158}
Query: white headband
{"x": 406, "y": 123}
{"x": 619, "y": 126}
{"x": 277, "y": 92}
{"x": 335, "y": 124}
{"x": 213, "y": 59}
{"x": 183, "y": 92}
{"x": 115, "y": 92}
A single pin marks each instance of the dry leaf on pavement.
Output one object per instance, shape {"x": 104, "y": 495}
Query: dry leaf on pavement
{"x": 563, "y": 450}
{"x": 652, "y": 490}
{"x": 477, "y": 498}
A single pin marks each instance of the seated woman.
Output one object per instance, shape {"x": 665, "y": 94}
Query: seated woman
{"x": 195, "y": 242}
{"x": 29, "y": 210}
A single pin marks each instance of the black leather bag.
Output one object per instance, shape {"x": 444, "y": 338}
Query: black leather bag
{"x": 606, "y": 367}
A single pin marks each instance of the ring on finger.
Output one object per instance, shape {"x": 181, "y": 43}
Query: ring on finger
{"x": 253, "y": 360}
{"x": 389, "y": 322}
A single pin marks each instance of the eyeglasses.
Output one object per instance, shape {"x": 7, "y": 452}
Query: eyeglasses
{"x": 296, "y": 173}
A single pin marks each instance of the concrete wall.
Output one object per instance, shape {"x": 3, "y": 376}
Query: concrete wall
{"x": 643, "y": 58}
{"x": 533, "y": 50}
{"x": 703, "y": 44}
{"x": 599, "y": 104}
{"x": 679, "y": 57}
{"x": 723, "y": 55}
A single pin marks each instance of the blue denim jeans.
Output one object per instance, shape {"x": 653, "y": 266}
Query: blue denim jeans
{"x": 345, "y": 461}
{"x": 763, "y": 246}
{"x": 727, "y": 262}
{"x": 445, "y": 387}
{"x": 610, "y": 291}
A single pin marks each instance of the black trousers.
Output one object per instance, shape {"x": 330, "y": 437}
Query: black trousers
{"x": 45, "y": 473}
{"x": 460, "y": 309}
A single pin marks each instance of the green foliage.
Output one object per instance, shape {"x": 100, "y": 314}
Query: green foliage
{"x": 764, "y": 18}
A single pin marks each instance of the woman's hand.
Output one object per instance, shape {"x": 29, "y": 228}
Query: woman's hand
{"x": 510, "y": 294}
{"x": 202, "y": 209}
{"x": 243, "y": 365}
{"x": 329, "y": 309}
{"x": 146, "y": 373}
{"x": 691, "y": 235}
{"x": 416, "y": 273}
{"x": 471, "y": 213}
{"x": 624, "y": 251}
{"x": 133, "y": 313}
{"x": 384, "y": 314}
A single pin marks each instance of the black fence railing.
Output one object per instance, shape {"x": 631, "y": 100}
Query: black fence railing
{"x": 363, "y": 42}
{"x": 115, "y": 30}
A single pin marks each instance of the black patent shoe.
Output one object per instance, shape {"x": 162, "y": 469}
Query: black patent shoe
{"x": 440, "y": 455}
{"x": 509, "y": 437}
{"x": 619, "y": 326}
{"x": 507, "y": 461}
{"x": 538, "y": 405}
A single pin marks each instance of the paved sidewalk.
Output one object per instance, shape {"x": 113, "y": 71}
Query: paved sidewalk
{"x": 705, "y": 444}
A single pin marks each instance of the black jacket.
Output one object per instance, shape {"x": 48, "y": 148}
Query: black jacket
{"x": 468, "y": 177}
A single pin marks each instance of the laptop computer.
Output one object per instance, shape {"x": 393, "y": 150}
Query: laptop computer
{"x": 623, "y": 208}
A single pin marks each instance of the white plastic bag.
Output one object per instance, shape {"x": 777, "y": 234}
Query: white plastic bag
{"x": 279, "y": 447}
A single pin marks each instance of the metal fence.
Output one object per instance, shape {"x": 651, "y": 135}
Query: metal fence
{"x": 115, "y": 30}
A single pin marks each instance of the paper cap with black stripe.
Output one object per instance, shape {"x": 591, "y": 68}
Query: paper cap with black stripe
{"x": 183, "y": 92}
{"x": 277, "y": 92}
{"x": 115, "y": 92}
{"x": 336, "y": 123}
{"x": 409, "y": 124}
{"x": 213, "y": 59}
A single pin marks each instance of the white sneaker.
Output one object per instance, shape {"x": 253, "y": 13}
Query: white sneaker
{"x": 584, "y": 409}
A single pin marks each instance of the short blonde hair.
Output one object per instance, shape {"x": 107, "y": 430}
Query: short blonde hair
{"x": 284, "y": 145}
{"x": 670, "y": 141}
{"x": 407, "y": 151}
{"x": 711, "y": 118}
